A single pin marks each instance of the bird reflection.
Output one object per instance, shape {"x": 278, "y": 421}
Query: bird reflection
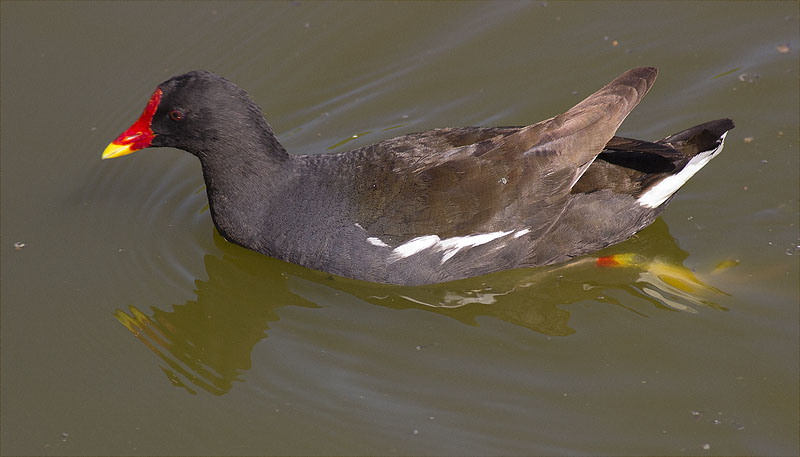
{"x": 206, "y": 343}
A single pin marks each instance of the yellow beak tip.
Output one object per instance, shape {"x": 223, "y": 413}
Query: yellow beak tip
{"x": 114, "y": 150}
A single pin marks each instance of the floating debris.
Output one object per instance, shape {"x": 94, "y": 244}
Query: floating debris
{"x": 748, "y": 139}
{"x": 748, "y": 78}
{"x": 782, "y": 48}
{"x": 19, "y": 245}
{"x": 726, "y": 73}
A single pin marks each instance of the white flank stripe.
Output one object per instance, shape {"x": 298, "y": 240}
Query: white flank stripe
{"x": 659, "y": 193}
{"x": 451, "y": 246}
{"x": 412, "y": 247}
{"x": 521, "y": 232}
{"x": 377, "y": 242}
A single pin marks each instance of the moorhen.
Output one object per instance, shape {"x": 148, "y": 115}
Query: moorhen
{"x": 427, "y": 207}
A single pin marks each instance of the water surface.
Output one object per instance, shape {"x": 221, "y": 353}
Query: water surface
{"x": 129, "y": 326}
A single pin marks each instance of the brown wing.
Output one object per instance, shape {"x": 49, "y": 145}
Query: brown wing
{"x": 454, "y": 182}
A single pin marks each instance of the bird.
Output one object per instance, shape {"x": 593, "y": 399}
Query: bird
{"x": 429, "y": 207}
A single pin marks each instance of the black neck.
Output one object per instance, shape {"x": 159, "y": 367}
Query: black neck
{"x": 238, "y": 178}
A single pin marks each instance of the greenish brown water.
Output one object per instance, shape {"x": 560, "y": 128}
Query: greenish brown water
{"x": 128, "y": 326}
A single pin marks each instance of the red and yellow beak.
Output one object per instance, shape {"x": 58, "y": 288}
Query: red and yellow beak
{"x": 139, "y": 135}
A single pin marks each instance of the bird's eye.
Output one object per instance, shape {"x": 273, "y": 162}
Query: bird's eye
{"x": 175, "y": 115}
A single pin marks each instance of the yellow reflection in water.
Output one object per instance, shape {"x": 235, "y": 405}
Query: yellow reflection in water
{"x": 206, "y": 343}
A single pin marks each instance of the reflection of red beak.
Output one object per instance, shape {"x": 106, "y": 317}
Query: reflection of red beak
{"x": 139, "y": 135}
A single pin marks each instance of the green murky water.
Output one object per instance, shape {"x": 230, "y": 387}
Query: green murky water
{"x": 130, "y": 327}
